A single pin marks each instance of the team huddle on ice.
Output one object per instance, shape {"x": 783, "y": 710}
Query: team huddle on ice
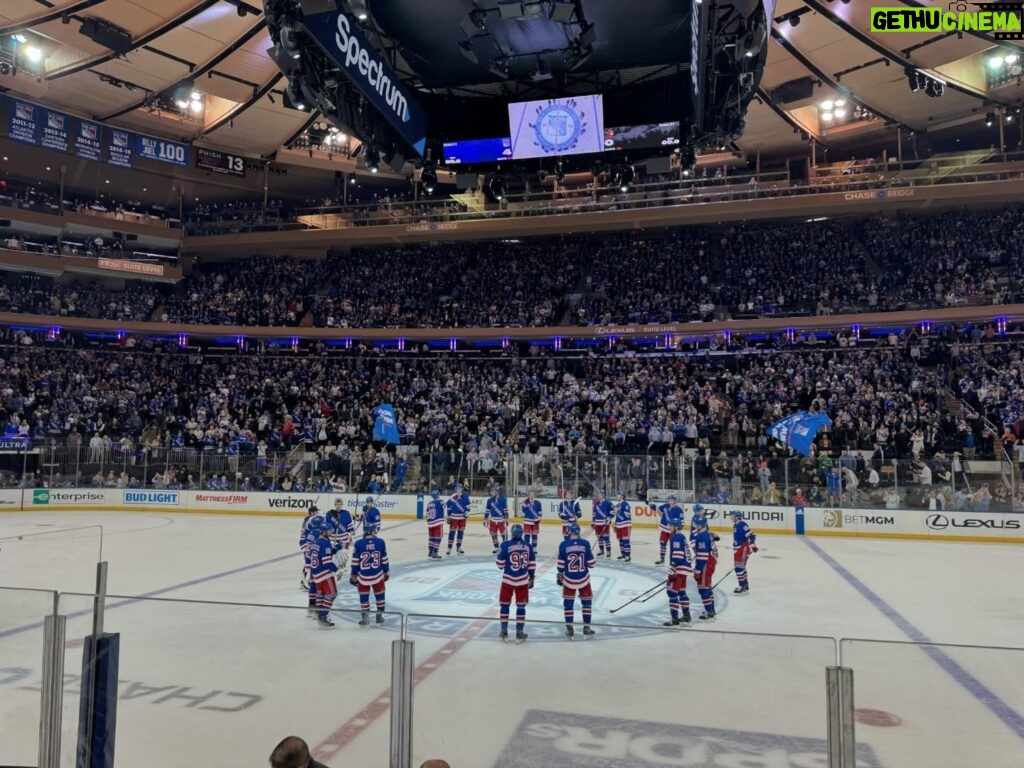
{"x": 326, "y": 540}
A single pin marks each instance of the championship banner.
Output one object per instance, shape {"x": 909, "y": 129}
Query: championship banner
{"x": 23, "y": 122}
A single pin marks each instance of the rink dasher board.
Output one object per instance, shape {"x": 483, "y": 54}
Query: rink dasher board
{"x": 932, "y": 525}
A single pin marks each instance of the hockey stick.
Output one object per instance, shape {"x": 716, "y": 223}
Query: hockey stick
{"x": 655, "y": 594}
{"x": 658, "y": 586}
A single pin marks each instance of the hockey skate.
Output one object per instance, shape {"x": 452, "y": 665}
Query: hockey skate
{"x": 627, "y": 559}
{"x": 503, "y": 636}
{"x": 304, "y": 586}
{"x": 741, "y": 590}
{"x": 588, "y": 632}
{"x": 673, "y": 622}
{"x": 493, "y": 551}
{"x": 436, "y": 556}
{"x": 364, "y": 620}
{"x": 569, "y": 631}
{"x": 460, "y": 551}
{"x": 660, "y": 561}
{"x": 621, "y": 557}
{"x": 686, "y": 617}
{"x": 380, "y": 618}
{"x": 707, "y": 615}
{"x": 324, "y": 622}
{"x": 521, "y": 637}
{"x": 311, "y": 612}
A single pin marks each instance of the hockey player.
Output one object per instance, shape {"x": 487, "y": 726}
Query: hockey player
{"x": 668, "y": 510}
{"x": 575, "y": 559}
{"x": 435, "y": 524}
{"x": 680, "y": 565}
{"x": 370, "y": 569}
{"x": 496, "y": 518}
{"x": 707, "y": 556}
{"x": 313, "y": 525}
{"x": 458, "y": 510}
{"x": 371, "y": 516}
{"x": 517, "y": 564}
{"x": 339, "y": 523}
{"x": 569, "y": 513}
{"x": 743, "y": 543}
{"x": 304, "y": 584}
{"x": 698, "y": 515}
{"x": 532, "y": 513}
{"x": 623, "y": 525}
{"x": 322, "y": 571}
{"x": 602, "y": 520}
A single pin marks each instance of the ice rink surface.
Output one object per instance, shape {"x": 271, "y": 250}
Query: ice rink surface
{"x": 218, "y": 660}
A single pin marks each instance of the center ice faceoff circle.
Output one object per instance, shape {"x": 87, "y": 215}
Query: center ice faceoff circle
{"x": 442, "y": 598}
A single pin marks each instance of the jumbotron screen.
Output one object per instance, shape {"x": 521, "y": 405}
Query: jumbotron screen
{"x": 651, "y": 136}
{"x": 553, "y": 127}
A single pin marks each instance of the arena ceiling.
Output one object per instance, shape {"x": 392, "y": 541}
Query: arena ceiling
{"x": 216, "y": 48}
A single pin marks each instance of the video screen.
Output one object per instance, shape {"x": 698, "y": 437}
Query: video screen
{"x": 649, "y": 136}
{"x": 552, "y": 127}
{"x": 477, "y": 151}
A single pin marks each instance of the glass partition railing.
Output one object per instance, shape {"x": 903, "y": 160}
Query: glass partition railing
{"x": 943, "y": 706}
{"x": 21, "y": 657}
{"x": 219, "y": 684}
{"x": 635, "y": 694}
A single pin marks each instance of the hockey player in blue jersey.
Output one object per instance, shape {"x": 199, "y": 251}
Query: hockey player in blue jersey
{"x": 340, "y": 524}
{"x": 575, "y": 559}
{"x": 623, "y": 526}
{"x": 312, "y": 526}
{"x": 370, "y": 569}
{"x": 304, "y": 584}
{"x": 704, "y": 569}
{"x": 435, "y": 524}
{"x": 743, "y": 543}
{"x": 457, "y": 509}
{"x": 496, "y": 518}
{"x": 603, "y": 515}
{"x": 669, "y": 509}
{"x": 569, "y": 513}
{"x": 322, "y": 571}
{"x": 698, "y": 516}
{"x": 517, "y": 565}
{"x": 371, "y": 516}
{"x": 532, "y": 513}
{"x": 680, "y": 565}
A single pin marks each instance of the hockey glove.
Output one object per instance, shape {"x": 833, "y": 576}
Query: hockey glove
{"x": 753, "y": 548}
{"x": 353, "y": 580}
{"x": 531, "y": 583}
{"x": 560, "y": 580}
{"x": 387, "y": 576}
{"x": 716, "y": 537}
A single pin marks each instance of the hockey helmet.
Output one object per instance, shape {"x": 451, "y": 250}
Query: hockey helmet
{"x": 574, "y": 530}
{"x": 620, "y": 495}
{"x": 673, "y": 497}
{"x": 698, "y": 508}
{"x": 435, "y": 494}
{"x": 675, "y": 521}
{"x": 734, "y": 513}
{"x": 313, "y": 509}
{"x": 369, "y": 501}
{"x": 517, "y": 531}
{"x": 338, "y": 503}
{"x": 315, "y": 524}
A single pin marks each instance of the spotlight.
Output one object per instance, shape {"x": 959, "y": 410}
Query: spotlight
{"x": 623, "y": 176}
{"x": 181, "y": 103}
{"x": 429, "y": 179}
{"x": 913, "y": 80}
{"x": 33, "y": 54}
{"x": 242, "y": 11}
{"x": 497, "y": 187}
{"x": 195, "y": 95}
{"x": 933, "y": 88}
{"x": 1009, "y": 117}
{"x": 358, "y": 9}
{"x": 840, "y": 113}
{"x": 827, "y": 117}
{"x": 20, "y": 38}
{"x": 1012, "y": 58}
{"x": 196, "y": 106}
{"x": 995, "y": 62}
{"x": 990, "y": 117}
{"x": 794, "y": 21}
{"x": 373, "y": 159}
{"x": 827, "y": 105}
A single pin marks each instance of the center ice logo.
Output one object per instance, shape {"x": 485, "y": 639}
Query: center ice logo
{"x": 441, "y": 599}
